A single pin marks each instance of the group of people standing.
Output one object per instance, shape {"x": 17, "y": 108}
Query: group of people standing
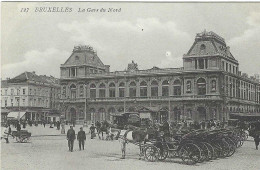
{"x": 71, "y": 136}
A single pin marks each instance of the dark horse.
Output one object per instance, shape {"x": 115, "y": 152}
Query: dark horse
{"x": 103, "y": 129}
{"x": 136, "y": 136}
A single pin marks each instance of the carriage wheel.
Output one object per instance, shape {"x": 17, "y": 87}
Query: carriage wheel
{"x": 190, "y": 154}
{"x": 163, "y": 154}
{"x": 151, "y": 153}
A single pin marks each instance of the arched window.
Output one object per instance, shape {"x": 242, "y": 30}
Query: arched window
{"x": 177, "y": 88}
{"x": 201, "y": 84}
{"x": 102, "y": 90}
{"x": 154, "y": 88}
{"x": 188, "y": 86}
{"x": 73, "y": 91}
{"x": 165, "y": 88}
{"x": 92, "y": 91}
{"x": 213, "y": 85}
{"x": 132, "y": 89}
{"x": 143, "y": 89}
{"x": 112, "y": 90}
{"x": 81, "y": 91}
{"x": 122, "y": 89}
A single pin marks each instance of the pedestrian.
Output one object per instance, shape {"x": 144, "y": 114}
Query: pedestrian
{"x": 6, "y": 133}
{"x": 44, "y": 124}
{"x": 24, "y": 124}
{"x": 71, "y": 137}
{"x": 18, "y": 127}
{"x": 92, "y": 131}
{"x": 81, "y": 138}
{"x": 58, "y": 125}
{"x": 256, "y": 139}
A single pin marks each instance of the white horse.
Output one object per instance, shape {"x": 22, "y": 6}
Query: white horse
{"x": 138, "y": 137}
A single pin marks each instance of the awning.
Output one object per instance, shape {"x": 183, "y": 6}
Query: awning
{"x": 145, "y": 115}
{"x": 246, "y": 114}
{"x": 15, "y": 115}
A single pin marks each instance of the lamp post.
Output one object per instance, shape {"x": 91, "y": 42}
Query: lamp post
{"x": 85, "y": 115}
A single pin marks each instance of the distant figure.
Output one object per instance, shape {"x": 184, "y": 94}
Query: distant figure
{"x": 71, "y": 137}
{"x": 6, "y": 133}
{"x": 98, "y": 125}
{"x": 44, "y": 124}
{"x": 18, "y": 127}
{"x": 58, "y": 125}
{"x": 73, "y": 123}
{"x": 256, "y": 139}
{"x": 24, "y": 124}
{"x": 81, "y": 138}
{"x": 92, "y": 131}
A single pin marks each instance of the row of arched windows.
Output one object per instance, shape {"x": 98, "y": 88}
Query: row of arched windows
{"x": 143, "y": 88}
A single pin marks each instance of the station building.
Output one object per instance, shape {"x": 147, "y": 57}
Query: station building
{"x": 208, "y": 86}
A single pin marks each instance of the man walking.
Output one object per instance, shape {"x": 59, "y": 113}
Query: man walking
{"x": 81, "y": 138}
{"x": 257, "y": 140}
{"x": 71, "y": 137}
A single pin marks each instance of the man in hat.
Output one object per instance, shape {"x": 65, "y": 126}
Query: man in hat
{"x": 92, "y": 131}
{"x": 81, "y": 138}
{"x": 71, "y": 137}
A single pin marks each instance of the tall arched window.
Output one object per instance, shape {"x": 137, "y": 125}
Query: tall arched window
{"x": 102, "y": 90}
{"x": 92, "y": 91}
{"x": 132, "y": 89}
{"x": 143, "y": 89}
{"x": 110, "y": 112}
{"x": 188, "y": 86}
{"x": 165, "y": 88}
{"x": 112, "y": 90}
{"x": 177, "y": 88}
{"x": 73, "y": 91}
{"x": 154, "y": 88}
{"x": 81, "y": 91}
{"x": 201, "y": 84}
{"x": 122, "y": 89}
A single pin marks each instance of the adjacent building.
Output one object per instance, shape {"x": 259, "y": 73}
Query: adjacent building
{"x": 30, "y": 96}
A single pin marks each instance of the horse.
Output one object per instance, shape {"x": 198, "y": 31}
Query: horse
{"x": 103, "y": 129}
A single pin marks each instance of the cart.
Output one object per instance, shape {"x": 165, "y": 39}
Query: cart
{"x": 22, "y": 136}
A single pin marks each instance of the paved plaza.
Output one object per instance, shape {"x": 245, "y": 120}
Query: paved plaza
{"x": 48, "y": 150}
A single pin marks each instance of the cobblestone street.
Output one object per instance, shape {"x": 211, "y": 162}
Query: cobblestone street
{"x": 51, "y": 152}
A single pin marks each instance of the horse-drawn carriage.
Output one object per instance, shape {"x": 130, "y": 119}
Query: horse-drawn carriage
{"x": 194, "y": 147}
{"x": 21, "y": 136}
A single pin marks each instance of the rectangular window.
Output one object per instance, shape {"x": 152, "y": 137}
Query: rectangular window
{"x": 226, "y": 66}
{"x": 23, "y": 102}
{"x": 12, "y": 102}
{"x": 132, "y": 92}
{"x": 6, "y": 92}
{"x": 165, "y": 91}
{"x": 196, "y": 64}
{"x": 12, "y": 92}
{"x": 201, "y": 63}
{"x": 5, "y": 103}
{"x": 154, "y": 91}
{"x": 102, "y": 93}
{"x": 121, "y": 92}
{"x": 143, "y": 91}
{"x": 23, "y": 91}
{"x": 112, "y": 92}
{"x": 223, "y": 65}
{"x": 92, "y": 93}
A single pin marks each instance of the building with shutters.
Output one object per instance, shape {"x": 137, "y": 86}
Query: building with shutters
{"x": 208, "y": 86}
{"x": 35, "y": 96}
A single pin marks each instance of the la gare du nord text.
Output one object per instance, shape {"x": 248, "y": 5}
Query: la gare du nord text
{"x": 68, "y": 9}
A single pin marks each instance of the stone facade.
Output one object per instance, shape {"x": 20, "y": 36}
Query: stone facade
{"x": 209, "y": 86}
{"x": 37, "y": 95}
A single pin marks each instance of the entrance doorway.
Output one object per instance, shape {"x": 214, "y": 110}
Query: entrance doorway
{"x": 73, "y": 115}
{"x": 202, "y": 113}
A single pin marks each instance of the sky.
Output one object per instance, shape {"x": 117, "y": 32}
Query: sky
{"x": 151, "y": 34}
